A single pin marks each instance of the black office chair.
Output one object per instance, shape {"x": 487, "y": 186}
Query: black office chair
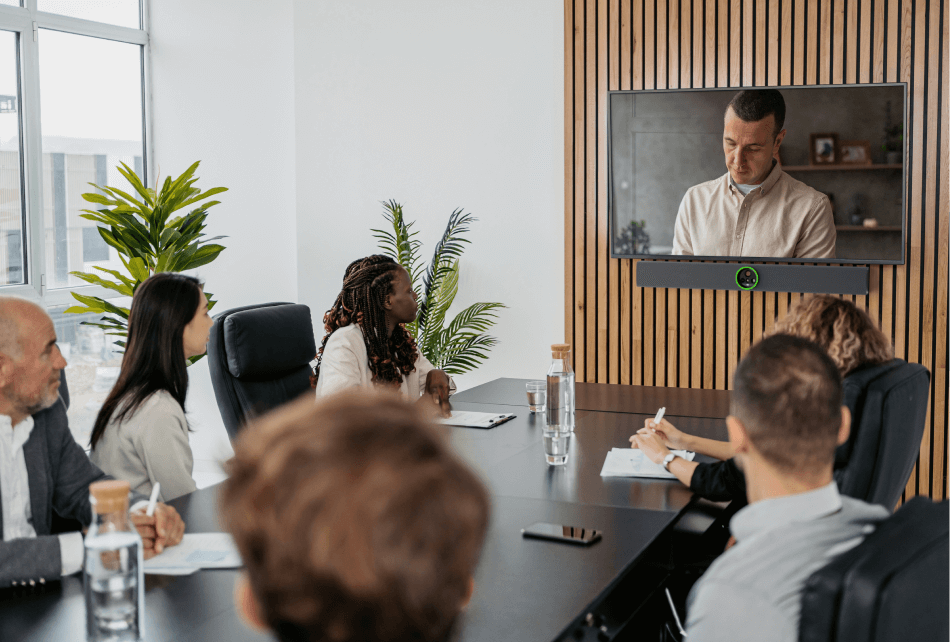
{"x": 259, "y": 359}
{"x": 886, "y": 430}
{"x": 893, "y": 586}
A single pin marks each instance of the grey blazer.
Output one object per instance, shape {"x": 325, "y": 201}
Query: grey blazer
{"x": 59, "y": 475}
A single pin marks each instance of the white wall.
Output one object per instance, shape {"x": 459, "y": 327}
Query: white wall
{"x": 313, "y": 112}
{"x": 223, "y": 93}
{"x": 437, "y": 105}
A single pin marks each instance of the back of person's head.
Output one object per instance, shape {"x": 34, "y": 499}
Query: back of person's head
{"x": 787, "y": 393}
{"x": 154, "y": 356}
{"x": 355, "y": 521}
{"x": 366, "y": 283}
{"x": 752, "y": 105}
{"x": 841, "y": 328}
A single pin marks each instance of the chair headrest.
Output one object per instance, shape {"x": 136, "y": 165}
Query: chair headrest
{"x": 268, "y": 342}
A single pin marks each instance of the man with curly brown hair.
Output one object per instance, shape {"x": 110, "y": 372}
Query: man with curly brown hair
{"x": 355, "y": 522}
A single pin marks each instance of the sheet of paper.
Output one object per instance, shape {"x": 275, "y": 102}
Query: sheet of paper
{"x": 196, "y": 551}
{"x": 472, "y": 419}
{"x": 631, "y": 462}
{"x": 169, "y": 570}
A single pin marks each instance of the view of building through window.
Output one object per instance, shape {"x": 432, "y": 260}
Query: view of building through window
{"x": 11, "y": 194}
{"x": 71, "y": 110}
{"x": 89, "y": 127}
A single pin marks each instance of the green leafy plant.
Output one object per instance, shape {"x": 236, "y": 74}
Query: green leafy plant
{"x": 633, "y": 239}
{"x": 462, "y": 345}
{"x": 148, "y": 239}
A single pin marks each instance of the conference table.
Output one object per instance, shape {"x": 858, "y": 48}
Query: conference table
{"x": 526, "y": 589}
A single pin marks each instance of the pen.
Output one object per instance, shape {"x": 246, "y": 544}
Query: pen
{"x": 676, "y": 617}
{"x": 152, "y": 499}
{"x": 659, "y": 417}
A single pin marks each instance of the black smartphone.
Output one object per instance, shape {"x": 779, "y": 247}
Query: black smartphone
{"x": 561, "y": 533}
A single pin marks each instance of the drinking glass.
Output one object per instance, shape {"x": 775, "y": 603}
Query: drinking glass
{"x": 556, "y": 445}
{"x": 537, "y": 395}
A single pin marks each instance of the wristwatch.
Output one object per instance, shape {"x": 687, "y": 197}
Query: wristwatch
{"x": 668, "y": 459}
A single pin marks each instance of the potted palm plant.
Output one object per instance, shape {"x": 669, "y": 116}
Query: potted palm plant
{"x": 148, "y": 238}
{"x": 463, "y": 344}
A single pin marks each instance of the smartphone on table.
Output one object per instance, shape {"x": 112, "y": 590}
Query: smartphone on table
{"x": 561, "y": 533}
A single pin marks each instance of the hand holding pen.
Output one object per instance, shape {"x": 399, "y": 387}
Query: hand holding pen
{"x": 672, "y": 438}
{"x": 159, "y": 525}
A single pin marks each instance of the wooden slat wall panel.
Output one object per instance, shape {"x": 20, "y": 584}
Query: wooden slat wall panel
{"x": 693, "y": 338}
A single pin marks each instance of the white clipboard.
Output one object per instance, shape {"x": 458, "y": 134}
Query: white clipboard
{"x": 468, "y": 419}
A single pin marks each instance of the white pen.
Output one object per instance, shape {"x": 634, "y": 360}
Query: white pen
{"x": 152, "y": 499}
{"x": 659, "y": 417}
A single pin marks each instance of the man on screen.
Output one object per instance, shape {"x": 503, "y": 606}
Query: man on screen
{"x": 755, "y": 209}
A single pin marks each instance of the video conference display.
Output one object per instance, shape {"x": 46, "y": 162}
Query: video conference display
{"x": 719, "y": 173}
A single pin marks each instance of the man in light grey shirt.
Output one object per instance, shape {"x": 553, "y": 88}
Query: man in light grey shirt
{"x": 755, "y": 209}
{"x": 787, "y": 420}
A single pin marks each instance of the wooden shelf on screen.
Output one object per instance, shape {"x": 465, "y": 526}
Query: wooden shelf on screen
{"x": 838, "y": 167}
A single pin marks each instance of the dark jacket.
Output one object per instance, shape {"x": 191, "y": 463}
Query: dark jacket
{"x": 59, "y": 475}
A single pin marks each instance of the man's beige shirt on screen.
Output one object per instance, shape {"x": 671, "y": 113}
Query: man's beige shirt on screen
{"x": 782, "y": 218}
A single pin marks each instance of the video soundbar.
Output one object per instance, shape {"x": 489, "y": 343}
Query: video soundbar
{"x": 810, "y": 279}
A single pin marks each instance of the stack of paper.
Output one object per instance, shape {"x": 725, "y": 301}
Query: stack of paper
{"x": 196, "y": 551}
{"x": 631, "y": 462}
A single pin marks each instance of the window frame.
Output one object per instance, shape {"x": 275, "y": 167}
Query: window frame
{"x": 26, "y": 21}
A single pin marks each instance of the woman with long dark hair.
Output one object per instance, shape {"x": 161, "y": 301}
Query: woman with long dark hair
{"x": 366, "y": 344}
{"x": 141, "y": 434}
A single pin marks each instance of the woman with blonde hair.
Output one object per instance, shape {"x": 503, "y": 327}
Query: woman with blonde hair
{"x": 841, "y": 329}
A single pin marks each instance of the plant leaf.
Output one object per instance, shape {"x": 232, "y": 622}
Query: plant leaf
{"x": 448, "y": 250}
{"x": 121, "y": 288}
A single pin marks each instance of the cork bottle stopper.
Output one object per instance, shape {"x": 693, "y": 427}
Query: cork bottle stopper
{"x": 109, "y": 496}
{"x": 560, "y": 350}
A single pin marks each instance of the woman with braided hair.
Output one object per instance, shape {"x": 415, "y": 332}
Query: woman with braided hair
{"x": 366, "y": 344}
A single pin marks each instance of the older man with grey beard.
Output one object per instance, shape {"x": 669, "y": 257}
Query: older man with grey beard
{"x": 42, "y": 468}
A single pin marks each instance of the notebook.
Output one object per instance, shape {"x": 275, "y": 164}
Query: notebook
{"x": 631, "y": 462}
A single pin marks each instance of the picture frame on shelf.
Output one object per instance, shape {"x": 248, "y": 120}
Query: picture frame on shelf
{"x": 855, "y": 152}
{"x": 823, "y": 149}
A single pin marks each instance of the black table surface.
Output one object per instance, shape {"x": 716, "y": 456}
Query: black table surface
{"x": 510, "y": 458}
{"x": 525, "y": 589}
{"x": 679, "y": 402}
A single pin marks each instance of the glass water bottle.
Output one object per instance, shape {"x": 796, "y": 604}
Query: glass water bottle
{"x": 560, "y": 402}
{"x": 113, "y": 575}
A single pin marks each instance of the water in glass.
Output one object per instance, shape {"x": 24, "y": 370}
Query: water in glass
{"x": 537, "y": 395}
{"x": 556, "y": 445}
{"x": 111, "y": 571}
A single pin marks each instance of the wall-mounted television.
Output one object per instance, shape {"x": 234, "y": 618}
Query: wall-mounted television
{"x": 701, "y": 174}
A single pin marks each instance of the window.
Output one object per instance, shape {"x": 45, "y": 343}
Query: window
{"x": 73, "y": 97}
